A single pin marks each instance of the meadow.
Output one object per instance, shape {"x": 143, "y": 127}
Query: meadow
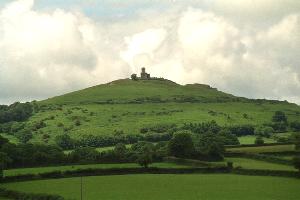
{"x": 263, "y": 149}
{"x": 175, "y": 187}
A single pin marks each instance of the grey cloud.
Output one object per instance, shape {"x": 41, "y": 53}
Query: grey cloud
{"x": 49, "y": 53}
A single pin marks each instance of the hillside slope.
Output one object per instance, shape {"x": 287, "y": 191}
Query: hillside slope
{"x": 127, "y": 106}
{"x": 155, "y": 91}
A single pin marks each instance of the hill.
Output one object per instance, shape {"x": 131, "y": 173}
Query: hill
{"x": 141, "y": 91}
{"x": 126, "y": 106}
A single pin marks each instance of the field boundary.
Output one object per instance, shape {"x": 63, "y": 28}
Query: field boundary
{"x": 13, "y": 194}
{"x": 152, "y": 170}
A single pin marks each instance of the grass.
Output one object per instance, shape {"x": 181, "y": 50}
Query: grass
{"x": 250, "y": 139}
{"x": 256, "y": 164}
{"x": 163, "y": 187}
{"x": 104, "y": 119}
{"x": 36, "y": 170}
{"x": 263, "y": 149}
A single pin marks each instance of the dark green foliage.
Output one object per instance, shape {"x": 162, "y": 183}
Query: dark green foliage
{"x": 4, "y": 161}
{"x": 279, "y": 116}
{"x": 27, "y": 155}
{"x": 64, "y": 141}
{"x": 84, "y": 155}
{"x": 242, "y": 130}
{"x": 295, "y": 125}
{"x": 279, "y": 126}
{"x": 24, "y": 135}
{"x": 15, "y": 112}
{"x": 264, "y": 131}
{"x": 27, "y": 196}
{"x": 3, "y": 141}
{"x": 120, "y": 151}
{"x": 228, "y": 138}
{"x": 211, "y": 145}
{"x": 297, "y": 162}
{"x": 259, "y": 140}
{"x": 159, "y": 128}
{"x": 144, "y": 157}
{"x": 181, "y": 145}
{"x": 134, "y": 77}
{"x": 202, "y": 127}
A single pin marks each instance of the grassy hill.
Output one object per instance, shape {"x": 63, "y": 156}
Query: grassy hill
{"x": 155, "y": 91}
{"x": 126, "y": 105}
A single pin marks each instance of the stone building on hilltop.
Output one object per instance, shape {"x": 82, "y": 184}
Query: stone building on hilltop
{"x": 144, "y": 75}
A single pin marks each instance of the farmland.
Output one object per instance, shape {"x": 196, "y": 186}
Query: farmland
{"x": 148, "y": 187}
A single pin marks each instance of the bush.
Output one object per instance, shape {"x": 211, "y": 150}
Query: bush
{"x": 210, "y": 145}
{"x": 181, "y": 145}
{"x": 259, "y": 141}
{"x": 295, "y": 126}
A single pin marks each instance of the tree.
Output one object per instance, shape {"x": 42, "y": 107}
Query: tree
{"x": 134, "y": 77}
{"x": 279, "y": 116}
{"x": 120, "y": 151}
{"x": 211, "y": 145}
{"x": 3, "y": 141}
{"x": 264, "y": 131}
{"x": 259, "y": 140}
{"x": 64, "y": 141}
{"x": 181, "y": 145}
{"x": 144, "y": 157}
{"x": 24, "y": 135}
{"x": 228, "y": 138}
{"x": 295, "y": 125}
{"x": 4, "y": 161}
{"x": 297, "y": 162}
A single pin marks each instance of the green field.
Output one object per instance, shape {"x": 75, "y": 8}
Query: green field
{"x": 164, "y": 187}
{"x": 36, "y": 170}
{"x": 247, "y": 163}
{"x": 250, "y": 139}
{"x": 263, "y": 149}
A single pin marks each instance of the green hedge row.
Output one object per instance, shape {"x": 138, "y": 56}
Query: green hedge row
{"x": 260, "y": 172}
{"x": 191, "y": 162}
{"x": 112, "y": 171}
{"x": 11, "y": 194}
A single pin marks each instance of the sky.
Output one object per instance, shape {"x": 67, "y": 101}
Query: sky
{"x": 248, "y": 48}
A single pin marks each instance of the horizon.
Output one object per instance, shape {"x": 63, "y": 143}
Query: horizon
{"x": 247, "y": 49}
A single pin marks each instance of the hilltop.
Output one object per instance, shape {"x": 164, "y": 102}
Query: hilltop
{"x": 152, "y": 91}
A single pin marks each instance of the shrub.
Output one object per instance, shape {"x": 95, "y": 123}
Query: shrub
{"x": 181, "y": 145}
{"x": 259, "y": 141}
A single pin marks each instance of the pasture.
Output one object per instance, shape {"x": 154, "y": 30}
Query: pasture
{"x": 264, "y": 149}
{"x": 162, "y": 187}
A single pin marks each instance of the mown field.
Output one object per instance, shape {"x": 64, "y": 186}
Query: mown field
{"x": 175, "y": 187}
{"x": 264, "y": 149}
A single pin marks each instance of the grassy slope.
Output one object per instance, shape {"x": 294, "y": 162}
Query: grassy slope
{"x": 148, "y": 187}
{"x": 105, "y": 118}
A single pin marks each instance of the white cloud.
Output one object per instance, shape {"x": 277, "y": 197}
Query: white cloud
{"x": 49, "y": 53}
